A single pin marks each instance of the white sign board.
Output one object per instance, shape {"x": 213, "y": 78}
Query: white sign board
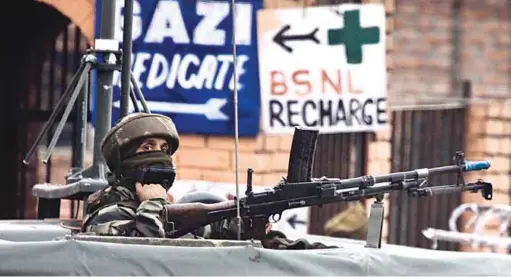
{"x": 323, "y": 67}
{"x": 292, "y": 222}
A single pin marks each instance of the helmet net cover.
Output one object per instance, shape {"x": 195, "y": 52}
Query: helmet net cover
{"x": 135, "y": 127}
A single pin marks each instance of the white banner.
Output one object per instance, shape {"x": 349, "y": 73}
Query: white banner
{"x": 323, "y": 67}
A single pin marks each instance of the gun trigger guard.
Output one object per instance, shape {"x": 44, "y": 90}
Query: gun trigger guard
{"x": 275, "y": 218}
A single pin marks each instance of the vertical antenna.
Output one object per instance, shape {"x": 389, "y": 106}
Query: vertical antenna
{"x": 126, "y": 57}
{"x": 235, "y": 90}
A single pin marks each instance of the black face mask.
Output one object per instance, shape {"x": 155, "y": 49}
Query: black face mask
{"x": 153, "y": 167}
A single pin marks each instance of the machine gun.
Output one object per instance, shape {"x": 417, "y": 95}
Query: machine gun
{"x": 300, "y": 190}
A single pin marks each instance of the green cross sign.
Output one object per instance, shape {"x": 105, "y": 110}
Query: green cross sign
{"x": 353, "y": 36}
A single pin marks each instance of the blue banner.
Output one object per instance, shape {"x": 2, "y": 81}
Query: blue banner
{"x": 183, "y": 62}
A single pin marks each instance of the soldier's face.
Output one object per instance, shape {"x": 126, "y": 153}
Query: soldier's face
{"x": 153, "y": 144}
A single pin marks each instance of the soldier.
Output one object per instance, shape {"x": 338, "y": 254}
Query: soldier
{"x": 124, "y": 207}
{"x": 128, "y": 208}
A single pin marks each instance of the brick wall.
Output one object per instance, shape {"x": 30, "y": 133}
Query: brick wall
{"x": 488, "y": 139}
{"x": 379, "y": 163}
{"x": 379, "y": 145}
{"x": 212, "y": 158}
{"x": 486, "y": 46}
{"x": 422, "y": 60}
{"x": 423, "y": 56}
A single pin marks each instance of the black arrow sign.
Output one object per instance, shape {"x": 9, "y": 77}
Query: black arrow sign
{"x": 280, "y": 38}
{"x": 293, "y": 221}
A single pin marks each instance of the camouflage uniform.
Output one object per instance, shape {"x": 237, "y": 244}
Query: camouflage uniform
{"x": 116, "y": 210}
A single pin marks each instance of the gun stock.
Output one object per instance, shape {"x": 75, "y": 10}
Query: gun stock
{"x": 198, "y": 209}
{"x": 185, "y": 218}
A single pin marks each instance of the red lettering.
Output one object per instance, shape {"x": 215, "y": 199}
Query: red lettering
{"x": 350, "y": 85}
{"x": 278, "y": 83}
{"x": 301, "y": 82}
{"x": 326, "y": 79}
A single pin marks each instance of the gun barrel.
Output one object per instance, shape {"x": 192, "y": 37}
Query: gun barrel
{"x": 476, "y": 165}
{"x": 424, "y": 172}
{"x": 396, "y": 177}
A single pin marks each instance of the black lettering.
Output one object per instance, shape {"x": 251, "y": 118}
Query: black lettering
{"x": 381, "y": 111}
{"x": 354, "y": 107}
{"x": 304, "y": 113}
{"x": 341, "y": 114}
{"x": 291, "y": 113}
{"x": 325, "y": 112}
{"x": 275, "y": 115}
{"x": 368, "y": 119}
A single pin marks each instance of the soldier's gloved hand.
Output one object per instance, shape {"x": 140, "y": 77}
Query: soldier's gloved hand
{"x": 277, "y": 240}
{"x": 151, "y": 191}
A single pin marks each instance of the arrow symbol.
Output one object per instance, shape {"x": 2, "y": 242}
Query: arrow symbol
{"x": 293, "y": 221}
{"x": 210, "y": 109}
{"x": 280, "y": 38}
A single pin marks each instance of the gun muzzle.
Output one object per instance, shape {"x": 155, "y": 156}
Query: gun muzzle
{"x": 476, "y": 165}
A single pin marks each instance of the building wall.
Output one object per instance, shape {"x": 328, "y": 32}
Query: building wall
{"x": 379, "y": 146}
{"x": 425, "y": 62}
{"x": 420, "y": 67}
{"x": 81, "y": 12}
{"x": 425, "y": 57}
{"x": 488, "y": 139}
{"x": 266, "y": 155}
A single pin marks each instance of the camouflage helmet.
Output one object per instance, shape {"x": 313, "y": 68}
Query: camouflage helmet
{"x": 135, "y": 127}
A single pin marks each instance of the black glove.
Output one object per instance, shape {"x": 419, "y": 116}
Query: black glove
{"x": 277, "y": 240}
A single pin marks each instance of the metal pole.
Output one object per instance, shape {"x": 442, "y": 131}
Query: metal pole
{"x": 82, "y": 112}
{"x": 456, "y": 44}
{"x": 81, "y": 120}
{"x": 56, "y": 111}
{"x": 139, "y": 94}
{"x": 235, "y": 90}
{"x": 104, "y": 91}
{"x": 77, "y": 91}
{"x": 126, "y": 57}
